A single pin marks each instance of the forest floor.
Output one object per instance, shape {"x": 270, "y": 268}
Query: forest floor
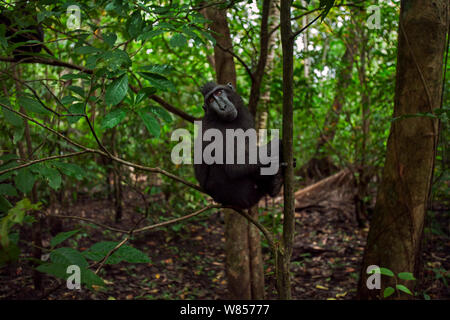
{"x": 189, "y": 263}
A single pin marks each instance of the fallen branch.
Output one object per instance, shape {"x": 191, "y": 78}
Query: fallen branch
{"x": 319, "y": 184}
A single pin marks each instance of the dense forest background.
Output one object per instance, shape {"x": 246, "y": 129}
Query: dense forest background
{"x": 91, "y": 92}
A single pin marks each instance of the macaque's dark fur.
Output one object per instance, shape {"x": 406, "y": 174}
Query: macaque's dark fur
{"x": 237, "y": 185}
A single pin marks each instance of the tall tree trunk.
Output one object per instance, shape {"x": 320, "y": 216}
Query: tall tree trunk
{"x": 306, "y": 61}
{"x": 263, "y": 106}
{"x": 285, "y": 252}
{"x": 223, "y": 60}
{"x": 260, "y": 112}
{"x": 237, "y": 264}
{"x": 395, "y": 235}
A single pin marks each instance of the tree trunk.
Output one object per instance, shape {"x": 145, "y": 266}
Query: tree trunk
{"x": 260, "y": 110}
{"x": 306, "y": 61}
{"x": 237, "y": 262}
{"x": 395, "y": 235}
{"x": 263, "y": 107}
{"x": 223, "y": 60}
{"x": 285, "y": 252}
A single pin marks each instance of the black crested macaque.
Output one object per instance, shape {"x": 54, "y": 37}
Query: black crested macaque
{"x": 23, "y": 33}
{"x": 237, "y": 185}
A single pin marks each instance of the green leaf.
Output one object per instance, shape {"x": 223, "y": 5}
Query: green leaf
{"x": 52, "y": 175}
{"x": 76, "y": 108}
{"x": 327, "y": 4}
{"x": 125, "y": 253}
{"x": 18, "y": 134}
{"x": 32, "y": 105}
{"x": 62, "y": 236}
{"x": 116, "y": 59}
{"x": 178, "y": 41}
{"x": 16, "y": 215}
{"x": 70, "y": 169}
{"x": 132, "y": 255}
{"x": 386, "y": 272}
{"x": 403, "y": 288}
{"x": 135, "y": 24}
{"x": 165, "y": 25}
{"x": 388, "y": 292}
{"x": 68, "y": 100}
{"x": 59, "y": 270}
{"x": 113, "y": 118}
{"x": 190, "y": 32}
{"x": 162, "y": 69}
{"x": 160, "y": 10}
{"x": 209, "y": 37}
{"x": 87, "y": 50}
{"x": 99, "y": 250}
{"x": 144, "y": 93}
{"x": 151, "y": 123}
{"x": 110, "y": 39}
{"x": 406, "y": 276}
{"x": 90, "y": 278}
{"x": 8, "y": 190}
{"x": 158, "y": 81}
{"x": 5, "y": 205}
{"x": 198, "y": 18}
{"x": 116, "y": 91}
{"x": 10, "y": 116}
{"x": 55, "y": 269}
{"x": 44, "y": 14}
{"x": 78, "y": 90}
{"x": 24, "y": 180}
{"x": 72, "y": 76}
{"x": 150, "y": 34}
{"x": 68, "y": 256}
{"x": 160, "y": 113}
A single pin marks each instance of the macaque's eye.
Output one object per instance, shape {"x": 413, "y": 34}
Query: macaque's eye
{"x": 218, "y": 93}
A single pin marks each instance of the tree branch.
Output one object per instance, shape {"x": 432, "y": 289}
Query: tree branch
{"x": 110, "y": 156}
{"x": 172, "y": 109}
{"x": 247, "y": 68}
{"x": 295, "y": 34}
{"x": 30, "y": 163}
{"x": 165, "y": 223}
{"x": 55, "y": 62}
{"x": 262, "y": 59}
{"x": 49, "y": 61}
